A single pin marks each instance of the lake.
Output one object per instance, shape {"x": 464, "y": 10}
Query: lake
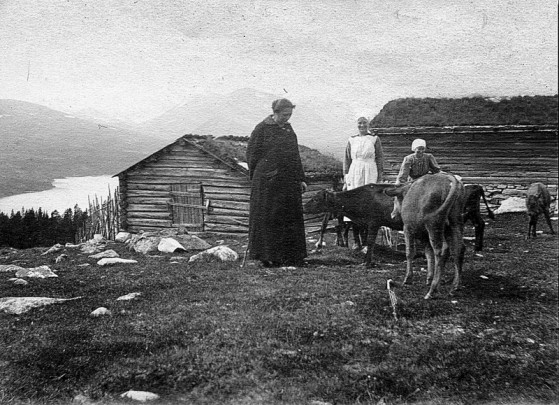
{"x": 66, "y": 193}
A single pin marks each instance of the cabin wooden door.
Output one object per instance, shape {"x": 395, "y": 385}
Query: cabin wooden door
{"x": 188, "y": 206}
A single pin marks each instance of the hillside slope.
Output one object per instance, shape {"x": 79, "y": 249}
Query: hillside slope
{"x": 521, "y": 110}
{"x": 40, "y": 144}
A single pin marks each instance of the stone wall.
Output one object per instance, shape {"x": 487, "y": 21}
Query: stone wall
{"x": 497, "y": 193}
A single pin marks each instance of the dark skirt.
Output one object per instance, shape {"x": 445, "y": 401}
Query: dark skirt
{"x": 276, "y": 225}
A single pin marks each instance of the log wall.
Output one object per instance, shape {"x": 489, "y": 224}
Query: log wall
{"x": 505, "y": 160}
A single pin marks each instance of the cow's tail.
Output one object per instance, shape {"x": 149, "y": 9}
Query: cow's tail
{"x": 489, "y": 212}
{"x": 453, "y": 194}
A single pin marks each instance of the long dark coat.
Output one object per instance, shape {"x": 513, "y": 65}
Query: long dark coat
{"x": 276, "y": 226}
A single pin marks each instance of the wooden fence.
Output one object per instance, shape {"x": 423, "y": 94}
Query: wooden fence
{"x": 103, "y": 218}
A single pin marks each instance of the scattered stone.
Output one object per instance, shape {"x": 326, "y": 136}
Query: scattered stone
{"x": 107, "y": 261}
{"x": 178, "y": 258}
{"x": 19, "y": 305}
{"x": 73, "y": 246}
{"x": 169, "y": 245}
{"x": 511, "y": 204}
{"x": 20, "y": 281}
{"x": 106, "y": 253}
{"x": 130, "y": 296}
{"x": 91, "y": 247}
{"x": 192, "y": 242}
{"x": 221, "y": 252}
{"x": 101, "y": 311}
{"x": 144, "y": 243}
{"x": 9, "y": 267}
{"x": 98, "y": 238}
{"x": 37, "y": 272}
{"x": 141, "y": 396}
{"x": 82, "y": 399}
{"x": 84, "y": 265}
{"x": 56, "y": 248}
{"x": 122, "y": 237}
{"x": 61, "y": 258}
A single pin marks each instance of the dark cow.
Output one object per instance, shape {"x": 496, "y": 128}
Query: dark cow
{"x": 367, "y": 206}
{"x": 473, "y": 194}
{"x": 538, "y": 201}
{"x": 431, "y": 209}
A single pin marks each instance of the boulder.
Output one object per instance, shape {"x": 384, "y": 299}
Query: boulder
{"x": 61, "y": 258}
{"x": 20, "y": 281}
{"x": 122, "y": 237}
{"x": 169, "y": 245}
{"x": 144, "y": 243}
{"x": 106, "y": 253}
{"x": 101, "y": 311}
{"x": 91, "y": 247}
{"x": 192, "y": 242}
{"x": 141, "y": 396}
{"x": 56, "y": 248}
{"x": 36, "y": 272}
{"x": 511, "y": 204}
{"x": 9, "y": 267}
{"x": 128, "y": 297}
{"x": 108, "y": 261}
{"x": 222, "y": 252}
{"x": 19, "y": 305}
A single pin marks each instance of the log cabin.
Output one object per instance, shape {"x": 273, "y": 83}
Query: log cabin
{"x": 200, "y": 184}
{"x": 505, "y": 159}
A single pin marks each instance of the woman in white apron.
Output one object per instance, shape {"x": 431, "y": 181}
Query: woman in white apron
{"x": 363, "y": 164}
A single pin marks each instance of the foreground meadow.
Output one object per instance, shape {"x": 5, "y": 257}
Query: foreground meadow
{"x": 208, "y": 333}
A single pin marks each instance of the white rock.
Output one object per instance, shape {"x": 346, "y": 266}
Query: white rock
{"x": 9, "y": 267}
{"x": 98, "y": 238}
{"x": 101, "y": 311}
{"x": 511, "y": 204}
{"x": 71, "y": 245}
{"x": 61, "y": 258}
{"x": 84, "y": 265}
{"x": 56, "y": 248}
{"x": 107, "y": 261}
{"x": 169, "y": 245}
{"x": 192, "y": 242}
{"x": 122, "y": 237}
{"x": 19, "y": 305}
{"x": 128, "y": 296}
{"x": 37, "y": 272}
{"x": 106, "y": 253}
{"x": 20, "y": 281}
{"x": 221, "y": 252}
{"x": 145, "y": 244}
{"x": 141, "y": 396}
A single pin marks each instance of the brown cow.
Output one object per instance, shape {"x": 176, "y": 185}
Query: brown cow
{"x": 431, "y": 209}
{"x": 367, "y": 206}
{"x": 538, "y": 201}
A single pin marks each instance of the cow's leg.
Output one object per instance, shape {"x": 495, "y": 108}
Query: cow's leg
{"x": 548, "y": 219}
{"x": 357, "y": 245}
{"x": 458, "y": 250}
{"x": 340, "y": 228}
{"x": 410, "y": 253}
{"x": 325, "y": 222}
{"x": 347, "y": 226}
{"x": 372, "y": 232}
{"x": 429, "y": 254}
{"x": 479, "y": 225}
{"x": 436, "y": 238}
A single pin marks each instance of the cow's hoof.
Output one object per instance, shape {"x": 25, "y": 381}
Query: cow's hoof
{"x": 428, "y": 296}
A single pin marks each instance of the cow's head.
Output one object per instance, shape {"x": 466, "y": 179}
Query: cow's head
{"x": 398, "y": 192}
{"x": 319, "y": 203}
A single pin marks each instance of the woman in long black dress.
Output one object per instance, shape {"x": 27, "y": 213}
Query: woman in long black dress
{"x": 276, "y": 226}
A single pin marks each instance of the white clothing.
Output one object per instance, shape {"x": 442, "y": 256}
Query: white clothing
{"x": 363, "y": 168}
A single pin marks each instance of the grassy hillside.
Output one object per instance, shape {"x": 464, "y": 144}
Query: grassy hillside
{"x": 217, "y": 333}
{"x": 522, "y": 110}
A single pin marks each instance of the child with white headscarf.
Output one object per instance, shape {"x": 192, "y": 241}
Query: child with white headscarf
{"x": 417, "y": 164}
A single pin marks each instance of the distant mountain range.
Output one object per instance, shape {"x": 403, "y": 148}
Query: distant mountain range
{"x": 39, "y": 144}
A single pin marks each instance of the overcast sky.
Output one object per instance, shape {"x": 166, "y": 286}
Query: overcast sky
{"x": 136, "y": 59}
